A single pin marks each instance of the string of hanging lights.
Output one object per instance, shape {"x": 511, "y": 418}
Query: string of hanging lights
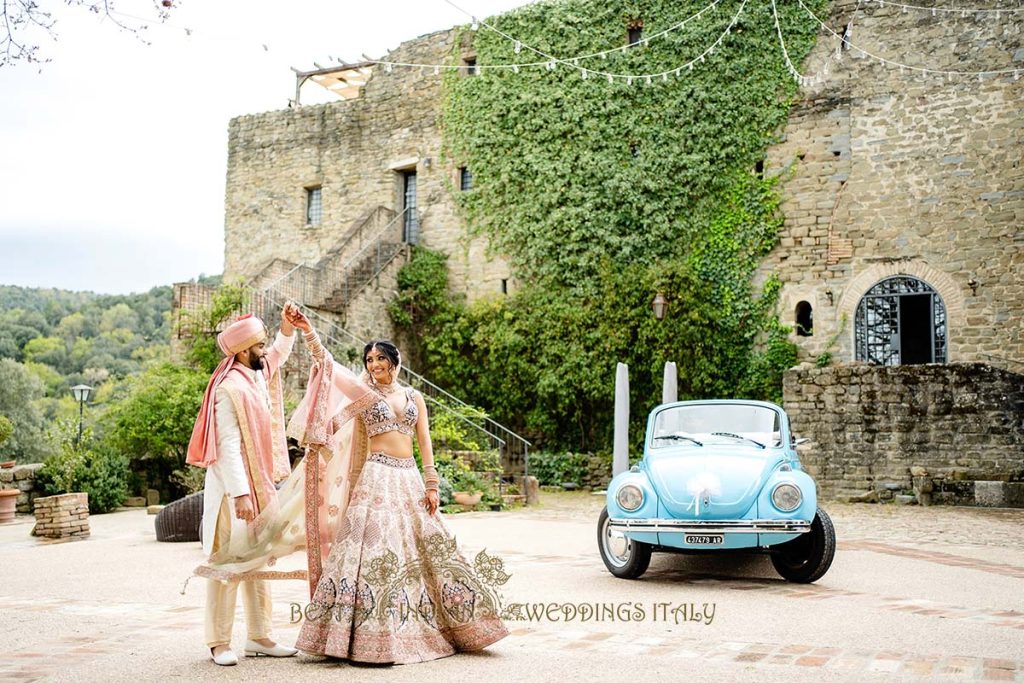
{"x": 921, "y": 70}
{"x": 552, "y": 62}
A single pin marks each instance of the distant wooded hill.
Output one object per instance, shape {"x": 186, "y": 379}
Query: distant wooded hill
{"x": 52, "y": 339}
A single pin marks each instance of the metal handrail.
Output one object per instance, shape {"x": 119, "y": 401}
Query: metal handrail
{"x": 1003, "y": 360}
{"x": 274, "y": 284}
{"x": 375, "y": 242}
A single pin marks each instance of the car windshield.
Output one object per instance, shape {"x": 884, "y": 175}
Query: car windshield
{"x": 717, "y": 423}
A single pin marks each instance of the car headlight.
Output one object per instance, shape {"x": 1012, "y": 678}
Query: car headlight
{"x": 787, "y": 497}
{"x": 629, "y": 497}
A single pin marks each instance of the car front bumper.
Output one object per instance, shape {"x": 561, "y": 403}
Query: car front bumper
{"x": 702, "y": 526}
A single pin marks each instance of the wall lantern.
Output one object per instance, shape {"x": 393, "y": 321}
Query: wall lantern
{"x": 659, "y": 306}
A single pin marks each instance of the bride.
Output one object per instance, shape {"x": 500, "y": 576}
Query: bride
{"x": 387, "y": 582}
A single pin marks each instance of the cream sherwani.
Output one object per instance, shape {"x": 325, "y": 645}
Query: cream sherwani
{"x": 226, "y": 479}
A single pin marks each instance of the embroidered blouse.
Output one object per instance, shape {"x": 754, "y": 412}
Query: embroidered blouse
{"x": 379, "y": 417}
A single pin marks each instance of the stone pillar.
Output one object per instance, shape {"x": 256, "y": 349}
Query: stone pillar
{"x": 532, "y": 490}
{"x": 620, "y": 441}
{"x": 63, "y": 516}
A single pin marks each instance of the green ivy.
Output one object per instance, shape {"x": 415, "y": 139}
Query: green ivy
{"x": 600, "y": 195}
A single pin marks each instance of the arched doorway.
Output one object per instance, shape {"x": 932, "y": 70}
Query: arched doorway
{"x": 901, "y": 321}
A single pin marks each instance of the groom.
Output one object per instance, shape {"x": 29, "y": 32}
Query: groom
{"x": 239, "y": 438}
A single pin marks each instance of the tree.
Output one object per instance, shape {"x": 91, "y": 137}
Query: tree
{"x": 152, "y": 422}
{"x": 19, "y": 391}
{"x": 47, "y": 350}
{"x": 19, "y": 19}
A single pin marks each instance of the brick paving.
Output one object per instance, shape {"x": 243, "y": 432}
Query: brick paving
{"x": 95, "y": 632}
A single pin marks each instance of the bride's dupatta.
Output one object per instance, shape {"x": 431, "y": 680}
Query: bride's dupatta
{"x": 313, "y": 500}
{"x": 336, "y": 449}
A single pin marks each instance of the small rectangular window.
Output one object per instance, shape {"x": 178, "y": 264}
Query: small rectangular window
{"x": 465, "y": 179}
{"x": 469, "y": 63}
{"x": 314, "y": 210}
{"x": 635, "y": 34}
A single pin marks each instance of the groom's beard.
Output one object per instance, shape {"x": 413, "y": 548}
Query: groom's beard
{"x": 256, "y": 363}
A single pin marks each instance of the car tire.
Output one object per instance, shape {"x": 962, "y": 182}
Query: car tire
{"x": 806, "y": 559}
{"x": 632, "y": 563}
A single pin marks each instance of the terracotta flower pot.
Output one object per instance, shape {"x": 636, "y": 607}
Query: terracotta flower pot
{"x": 8, "y": 504}
{"x": 8, "y": 464}
{"x": 467, "y": 500}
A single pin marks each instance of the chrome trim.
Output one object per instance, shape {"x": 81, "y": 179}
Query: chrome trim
{"x": 700, "y": 526}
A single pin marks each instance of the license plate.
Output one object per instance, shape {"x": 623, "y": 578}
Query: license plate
{"x": 704, "y": 540}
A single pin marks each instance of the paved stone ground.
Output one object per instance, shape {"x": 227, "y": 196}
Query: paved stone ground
{"x": 914, "y": 594}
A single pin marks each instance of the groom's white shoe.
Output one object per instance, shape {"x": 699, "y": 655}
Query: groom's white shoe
{"x": 225, "y": 658}
{"x": 254, "y": 649}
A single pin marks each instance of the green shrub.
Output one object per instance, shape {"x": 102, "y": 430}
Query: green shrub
{"x": 85, "y": 467}
{"x": 551, "y": 469}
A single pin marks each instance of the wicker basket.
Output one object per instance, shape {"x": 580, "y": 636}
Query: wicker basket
{"x": 182, "y": 520}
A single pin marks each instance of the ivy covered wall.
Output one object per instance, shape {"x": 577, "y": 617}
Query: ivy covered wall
{"x": 602, "y": 194}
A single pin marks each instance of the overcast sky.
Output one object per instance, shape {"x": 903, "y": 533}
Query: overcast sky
{"x": 113, "y": 157}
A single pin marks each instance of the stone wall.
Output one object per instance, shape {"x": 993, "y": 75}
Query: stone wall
{"x": 355, "y": 151}
{"x": 869, "y": 425}
{"x": 885, "y": 172}
{"x": 22, "y": 478}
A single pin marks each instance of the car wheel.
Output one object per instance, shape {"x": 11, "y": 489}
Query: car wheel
{"x": 806, "y": 559}
{"x": 624, "y": 557}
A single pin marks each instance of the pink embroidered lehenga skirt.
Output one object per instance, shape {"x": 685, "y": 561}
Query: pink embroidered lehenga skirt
{"x": 394, "y": 587}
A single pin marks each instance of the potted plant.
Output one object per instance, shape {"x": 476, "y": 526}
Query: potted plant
{"x": 469, "y": 489}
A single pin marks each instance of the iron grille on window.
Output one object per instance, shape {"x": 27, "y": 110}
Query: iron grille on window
{"x": 313, "y": 207}
{"x": 901, "y": 321}
{"x": 465, "y": 179}
{"x": 412, "y": 226}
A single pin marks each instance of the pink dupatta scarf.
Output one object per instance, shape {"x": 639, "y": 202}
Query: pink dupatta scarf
{"x": 336, "y": 449}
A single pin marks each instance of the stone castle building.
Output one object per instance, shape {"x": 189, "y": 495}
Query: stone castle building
{"x": 903, "y": 203}
{"x": 904, "y": 195}
{"x": 343, "y": 187}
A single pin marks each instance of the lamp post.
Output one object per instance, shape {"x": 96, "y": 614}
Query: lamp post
{"x": 81, "y": 393}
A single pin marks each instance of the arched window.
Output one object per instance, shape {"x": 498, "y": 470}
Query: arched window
{"x": 804, "y": 319}
{"x": 901, "y": 321}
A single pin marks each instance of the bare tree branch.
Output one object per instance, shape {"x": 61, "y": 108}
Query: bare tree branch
{"x": 20, "y": 17}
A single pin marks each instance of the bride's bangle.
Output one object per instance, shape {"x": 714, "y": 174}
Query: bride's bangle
{"x": 430, "y": 478}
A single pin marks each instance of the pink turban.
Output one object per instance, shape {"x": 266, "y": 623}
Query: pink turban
{"x": 241, "y": 334}
{"x": 238, "y": 336}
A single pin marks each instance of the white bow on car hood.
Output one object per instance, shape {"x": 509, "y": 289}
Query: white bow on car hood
{"x": 704, "y": 484}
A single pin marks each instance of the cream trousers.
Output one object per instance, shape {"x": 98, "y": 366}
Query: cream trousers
{"x": 220, "y": 596}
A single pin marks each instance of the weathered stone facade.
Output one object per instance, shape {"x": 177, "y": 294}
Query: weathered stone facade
{"x": 886, "y": 172}
{"x": 869, "y": 425}
{"x": 357, "y": 151}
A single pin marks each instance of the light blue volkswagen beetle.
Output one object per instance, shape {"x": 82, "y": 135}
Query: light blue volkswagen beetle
{"x": 717, "y": 475}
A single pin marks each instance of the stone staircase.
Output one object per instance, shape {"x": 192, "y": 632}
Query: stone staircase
{"x": 371, "y": 244}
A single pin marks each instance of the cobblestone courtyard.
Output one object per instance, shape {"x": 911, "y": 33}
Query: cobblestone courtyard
{"x": 915, "y": 593}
